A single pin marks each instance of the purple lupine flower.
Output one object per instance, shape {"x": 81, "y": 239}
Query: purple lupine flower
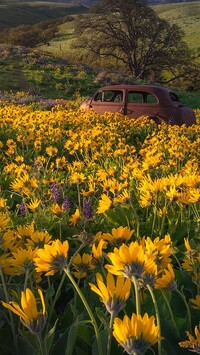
{"x": 22, "y": 209}
{"x": 87, "y": 210}
{"x": 55, "y": 192}
{"x": 66, "y": 205}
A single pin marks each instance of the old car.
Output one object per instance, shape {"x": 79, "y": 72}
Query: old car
{"x": 156, "y": 102}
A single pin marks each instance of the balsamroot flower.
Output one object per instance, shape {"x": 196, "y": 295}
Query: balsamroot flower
{"x": 82, "y": 265}
{"x": 161, "y": 249}
{"x": 137, "y": 334}
{"x": 104, "y": 204}
{"x": 193, "y": 344}
{"x": 112, "y": 294}
{"x": 29, "y": 315}
{"x": 131, "y": 260}
{"x": 167, "y": 281}
{"x": 34, "y": 204}
{"x": 52, "y": 258}
{"x": 75, "y": 217}
{"x": 97, "y": 252}
{"x": 196, "y": 302}
{"x": 119, "y": 235}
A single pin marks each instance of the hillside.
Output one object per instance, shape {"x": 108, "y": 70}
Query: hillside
{"x": 15, "y": 13}
{"x": 187, "y": 16}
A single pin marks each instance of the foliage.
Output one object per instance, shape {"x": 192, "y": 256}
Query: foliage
{"x": 31, "y": 35}
{"x": 118, "y": 30}
{"x": 42, "y": 75}
{"x": 84, "y": 197}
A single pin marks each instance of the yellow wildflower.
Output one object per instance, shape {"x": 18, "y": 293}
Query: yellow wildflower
{"x": 52, "y": 258}
{"x": 82, "y": 265}
{"x": 104, "y": 204}
{"x": 167, "y": 281}
{"x": 193, "y": 344}
{"x": 196, "y": 302}
{"x": 75, "y": 217}
{"x": 112, "y": 294}
{"x": 137, "y": 334}
{"x": 119, "y": 235}
{"x": 29, "y": 315}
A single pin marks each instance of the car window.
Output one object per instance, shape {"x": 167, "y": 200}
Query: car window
{"x": 151, "y": 99}
{"x": 135, "y": 97}
{"x": 142, "y": 97}
{"x": 174, "y": 97}
{"x": 109, "y": 96}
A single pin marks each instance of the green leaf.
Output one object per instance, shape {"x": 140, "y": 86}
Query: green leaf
{"x": 24, "y": 348}
{"x": 102, "y": 316}
{"x": 104, "y": 342}
{"x": 60, "y": 346}
{"x": 79, "y": 351}
{"x": 30, "y": 338}
{"x": 49, "y": 337}
{"x": 6, "y": 341}
{"x": 85, "y": 332}
{"x": 72, "y": 339}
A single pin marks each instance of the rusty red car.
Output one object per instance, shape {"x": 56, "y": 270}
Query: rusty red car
{"x": 158, "y": 103}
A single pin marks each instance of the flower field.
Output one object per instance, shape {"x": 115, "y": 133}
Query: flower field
{"x": 99, "y": 226}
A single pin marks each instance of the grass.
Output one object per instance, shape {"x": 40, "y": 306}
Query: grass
{"x": 40, "y": 73}
{"x": 187, "y": 16}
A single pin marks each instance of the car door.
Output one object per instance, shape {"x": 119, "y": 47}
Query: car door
{"x": 141, "y": 103}
{"x": 108, "y": 101}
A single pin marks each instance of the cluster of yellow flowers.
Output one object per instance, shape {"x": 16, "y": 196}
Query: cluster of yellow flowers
{"x": 126, "y": 192}
{"x": 110, "y": 160}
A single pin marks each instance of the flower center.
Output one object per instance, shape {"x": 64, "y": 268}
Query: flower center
{"x": 133, "y": 269}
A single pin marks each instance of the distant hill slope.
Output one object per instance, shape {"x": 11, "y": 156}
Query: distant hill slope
{"x": 186, "y": 15}
{"x": 15, "y": 13}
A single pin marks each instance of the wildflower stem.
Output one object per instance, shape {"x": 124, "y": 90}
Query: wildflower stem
{"x": 26, "y": 279}
{"x": 79, "y": 196}
{"x": 42, "y": 344}
{"x": 187, "y": 308}
{"x": 110, "y": 334}
{"x": 154, "y": 217}
{"x": 56, "y": 297}
{"x": 170, "y": 312}
{"x": 157, "y": 318}
{"x": 88, "y": 309}
{"x": 137, "y": 296}
{"x": 10, "y": 313}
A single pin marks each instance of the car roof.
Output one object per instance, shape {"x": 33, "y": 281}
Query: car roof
{"x": 152, "y": 88}
{"x": 160, "y": 91}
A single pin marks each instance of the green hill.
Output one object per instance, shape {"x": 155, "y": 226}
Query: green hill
{"x": 187, "y": 16}
{"x": 14, "y": 13}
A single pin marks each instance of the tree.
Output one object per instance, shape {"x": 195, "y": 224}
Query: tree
{"x": 131, "y": 34}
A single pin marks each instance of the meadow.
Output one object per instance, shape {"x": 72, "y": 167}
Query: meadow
{"x": 50, "y": 77}
{"x": 99, "y": 224}
{"x": 99, "y": 216}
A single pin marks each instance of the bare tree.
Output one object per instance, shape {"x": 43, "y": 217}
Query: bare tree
{"x": 131, "y": 34}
